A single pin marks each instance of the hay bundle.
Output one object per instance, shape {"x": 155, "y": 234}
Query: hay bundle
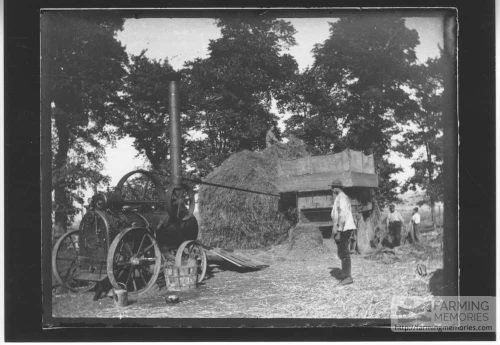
{"x": 365, "y": 234}
{"x": 369, "y": 230}
{"x": 385, "y": 255}
{"x": 236, "y": 219}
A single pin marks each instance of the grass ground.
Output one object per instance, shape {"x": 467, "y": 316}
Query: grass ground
{"x": 291, "y": 287}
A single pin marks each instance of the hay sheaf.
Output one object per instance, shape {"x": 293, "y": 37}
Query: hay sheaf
{"x": 236, "y": 219}
{"x": 370, "y": 231}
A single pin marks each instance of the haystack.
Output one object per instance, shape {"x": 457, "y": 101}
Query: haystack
{"x": 236, "y": 219}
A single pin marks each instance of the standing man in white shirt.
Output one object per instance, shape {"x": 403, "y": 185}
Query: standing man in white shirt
{"x": 415, "y": 220}
{"x": 343, "y": 226}
{"x": 394, "y": 223}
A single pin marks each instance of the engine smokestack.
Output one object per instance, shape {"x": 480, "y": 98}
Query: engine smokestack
{"x": 175, "y": 128}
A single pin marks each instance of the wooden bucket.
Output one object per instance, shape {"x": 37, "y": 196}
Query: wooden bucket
{"x": 178, "y": 278}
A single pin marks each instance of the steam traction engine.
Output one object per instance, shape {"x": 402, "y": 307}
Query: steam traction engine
{"x": 129, "y": 234}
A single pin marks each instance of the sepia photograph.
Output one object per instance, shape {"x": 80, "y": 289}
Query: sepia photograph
{"x": 248, "y": 164}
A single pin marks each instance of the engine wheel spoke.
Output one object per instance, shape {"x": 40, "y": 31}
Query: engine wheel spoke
{"x": 140, "y": 245}
{"x": 146, "y": 249}
{"x": 141, "y": 268}
{"x": 133, "y": 282}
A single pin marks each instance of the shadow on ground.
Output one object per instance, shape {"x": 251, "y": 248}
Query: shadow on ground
{"x": 335, "y": 272}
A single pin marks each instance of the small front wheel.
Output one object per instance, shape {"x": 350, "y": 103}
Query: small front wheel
{"x": 134, "y": 260}
{"x": 191, "y": 251}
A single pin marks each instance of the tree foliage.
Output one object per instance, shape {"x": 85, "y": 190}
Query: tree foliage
{"x": 315, "y": 115}
{"x": 364, "y": 82}
{"x": 354, "y": 94}
{"x": 231, "y": 91}
{"x": 145, "y": 114}
{"x": 423, "y": 141}
{"x": 85, "y": 64}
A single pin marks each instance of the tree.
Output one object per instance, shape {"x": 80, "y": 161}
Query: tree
{"x": 425, "y": 133}
{"x": 145, "y": 114}
{"x": 315, "y": 114}
{"x": 84, "y": 64}
{"x": 355, "y": 90}
{"x": 232, "y": 90}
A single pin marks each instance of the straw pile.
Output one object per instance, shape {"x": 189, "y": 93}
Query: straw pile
{"x": 305, "y": 237}
{"x": 306, "y": 241}
{"x": 236, "y": 219}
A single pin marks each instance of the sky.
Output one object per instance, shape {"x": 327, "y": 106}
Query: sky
{"x": 184, "y": 39}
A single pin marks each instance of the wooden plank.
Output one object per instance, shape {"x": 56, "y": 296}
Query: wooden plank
{"x": 252, "y": 260}
{"x": 356, "y": 161}
{"x": 322, "y": 181}
{"x": 243, "y": 260}
{"x": 239, "y": 260}
{"x": 364, "y": 180}
{"x": 318, "y": 224}
{"x": 230, "y": 256}
{"x": 347, "y": 160}
{"x": 224, "y": 257}
{"x": 368, "y": 164}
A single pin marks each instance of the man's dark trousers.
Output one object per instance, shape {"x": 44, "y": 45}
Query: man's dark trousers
{"x": 415, "y": 231}
{"x": 343, "y": 252}
{"x": 395, "y": 232}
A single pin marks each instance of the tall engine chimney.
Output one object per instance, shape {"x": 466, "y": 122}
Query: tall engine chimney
{"x": 175, "y": 128}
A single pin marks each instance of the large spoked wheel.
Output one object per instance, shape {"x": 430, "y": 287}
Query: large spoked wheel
{"x": 67, "y": 263}
{"x": 141, "y": 186}
{"x": 192, "y": 252}
{"x": 134, "y": 260}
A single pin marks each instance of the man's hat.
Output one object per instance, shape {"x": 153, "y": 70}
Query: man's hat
{"x": 336, "y": 184}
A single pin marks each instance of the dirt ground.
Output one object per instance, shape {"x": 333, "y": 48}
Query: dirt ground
{"x": 293, "y": 286}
